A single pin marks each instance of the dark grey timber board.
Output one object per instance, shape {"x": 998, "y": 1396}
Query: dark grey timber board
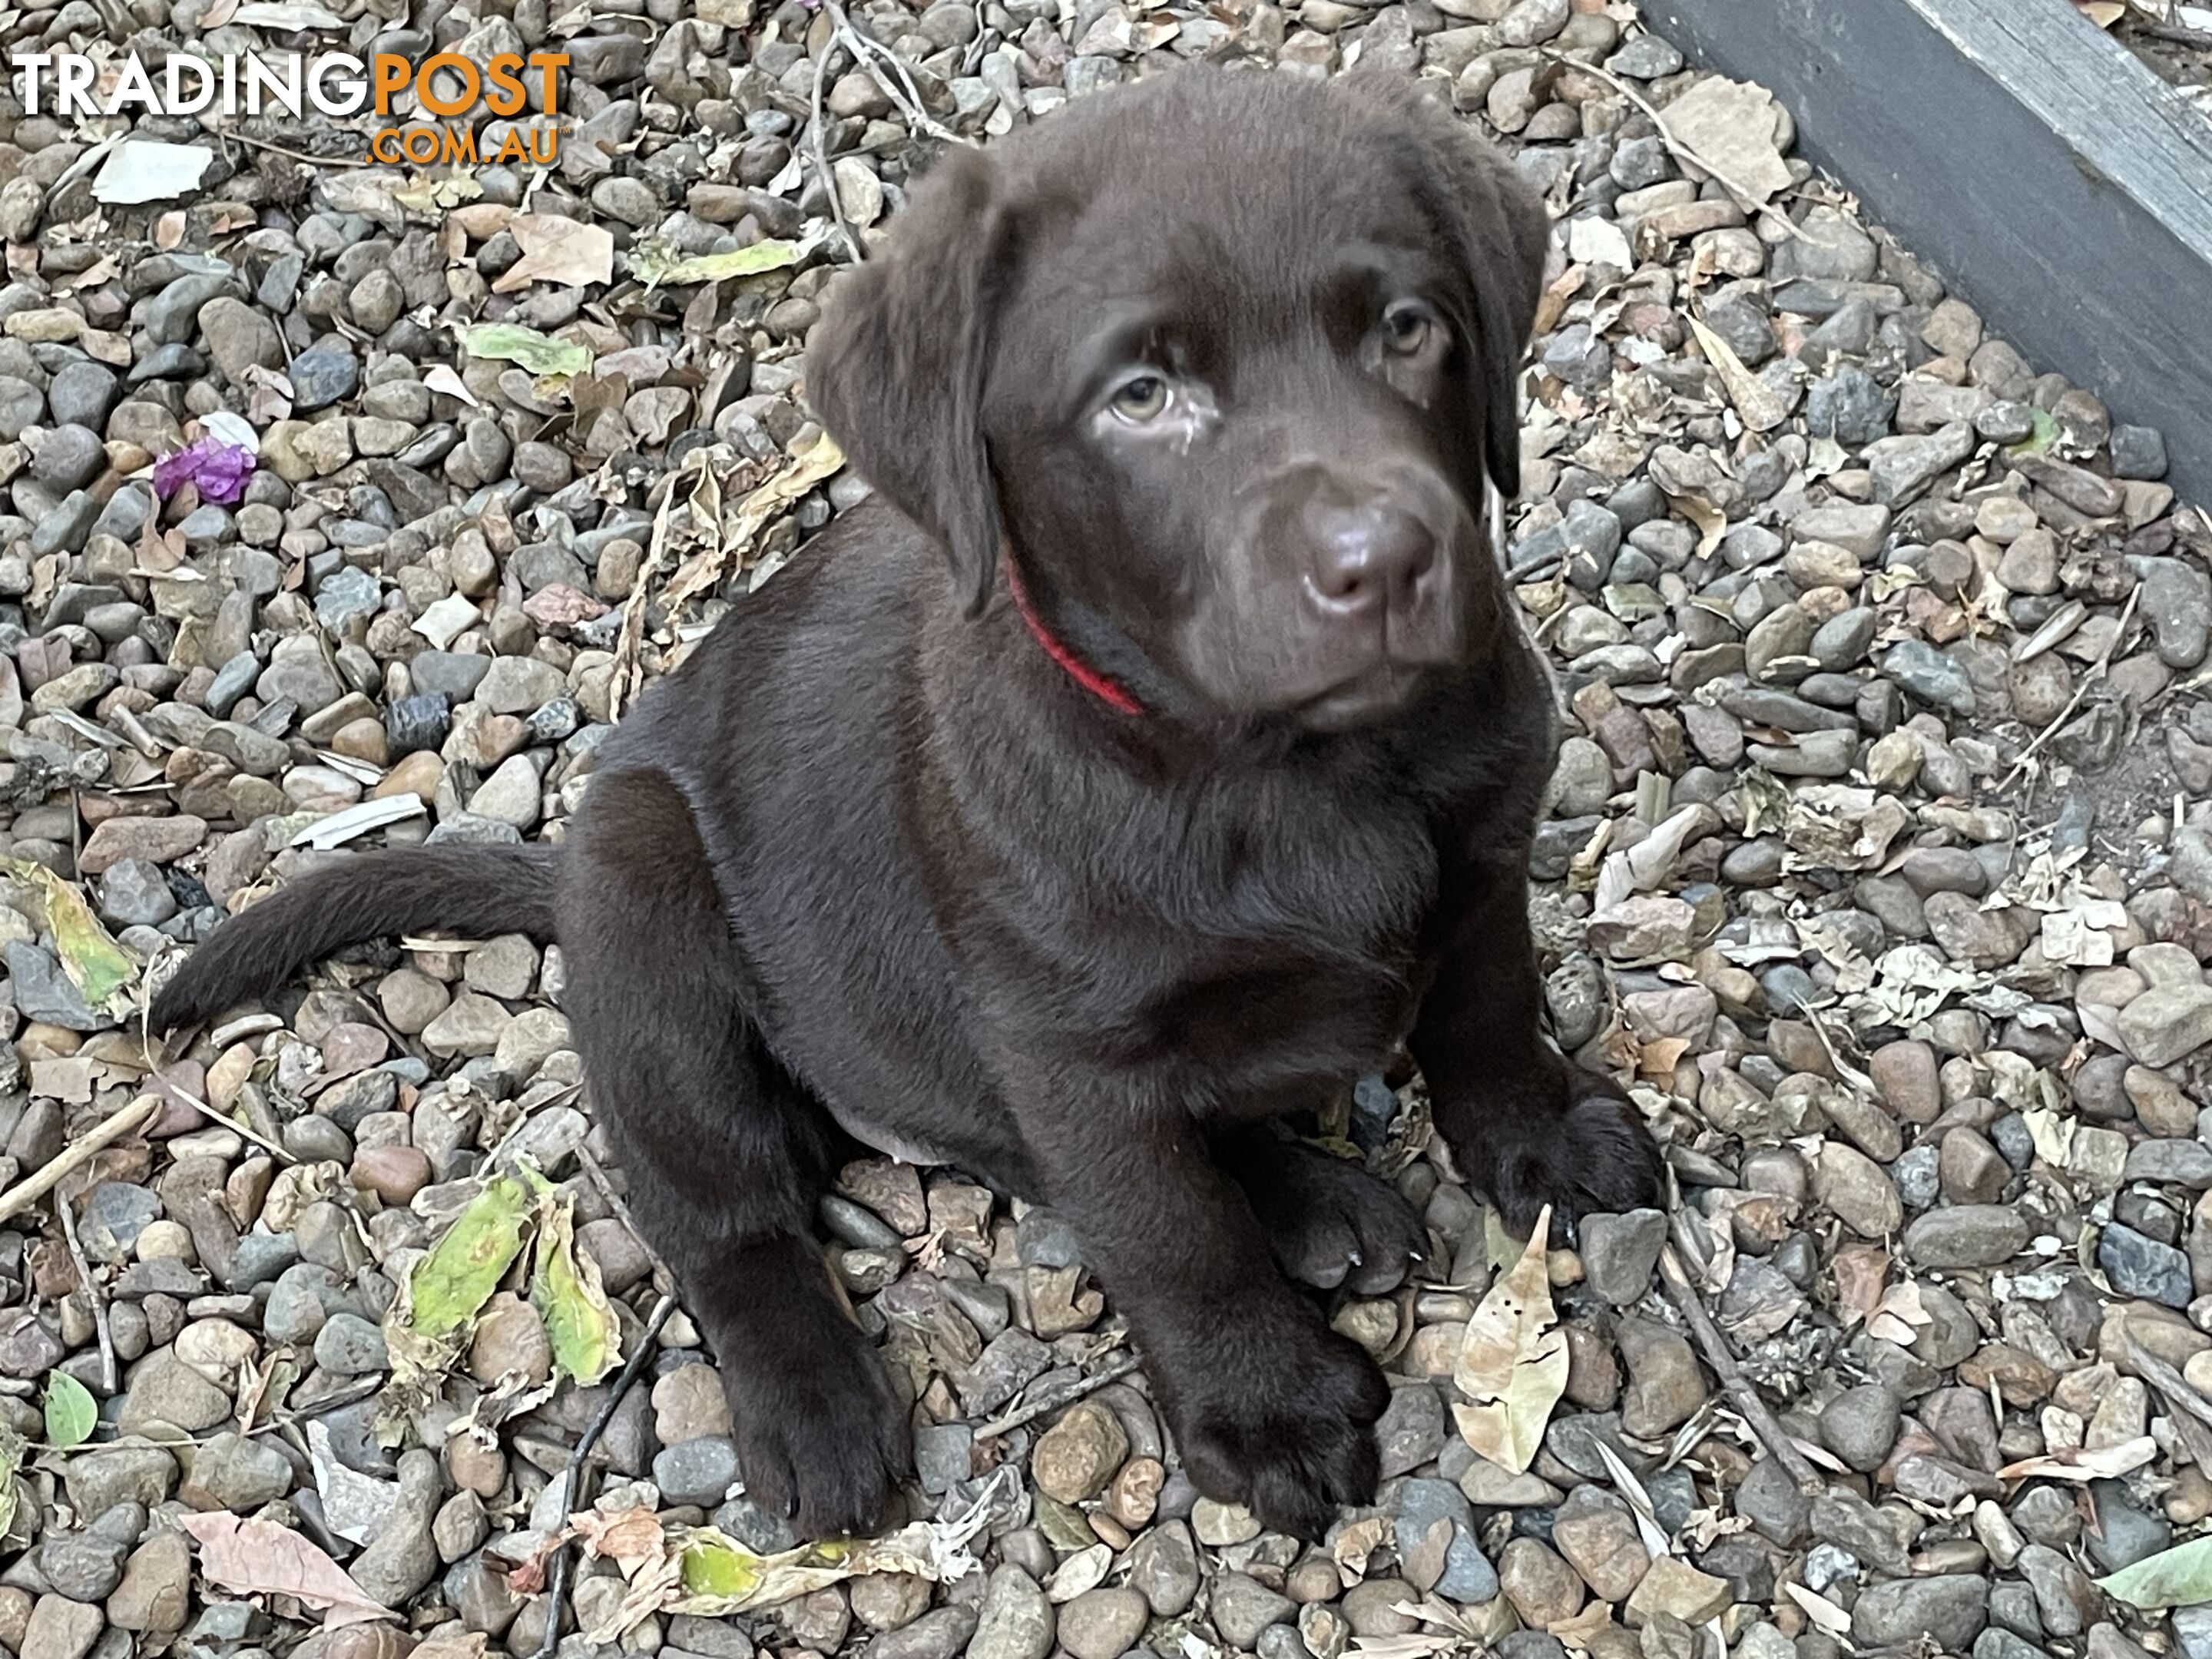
{"x": 2057, "y": 184}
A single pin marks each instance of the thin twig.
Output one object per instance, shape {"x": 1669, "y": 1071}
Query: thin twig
{"x": 556, "y": 1583}
{"x": 2175, "y": 35}
{"x": 294, "y": 155}
{"x": 235, "y": 1125}
{"x": 124, "y": 1120}
{"x": 1053, "y": 1399}
{"x": 2167, "y": 1380}
{"x": 819, "y": 147}
{"x": 1756, "y": 1412}
{"x": 2095, "y": 674}
{"x": 1748, "y": 199}
{"x": 110, "y": 1380}
{"x": 863, "y": 49}
{"x": 664, "y": 1276}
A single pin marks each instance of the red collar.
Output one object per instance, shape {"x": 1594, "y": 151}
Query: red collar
{"x": 1107, "y": 690}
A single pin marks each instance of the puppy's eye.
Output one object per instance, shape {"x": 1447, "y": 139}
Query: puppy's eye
{"x": 1408, "y": 329}
{"x": 1141, "y": 397}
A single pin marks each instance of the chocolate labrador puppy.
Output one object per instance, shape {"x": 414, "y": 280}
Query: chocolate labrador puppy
{"x": 1153, "y": 754}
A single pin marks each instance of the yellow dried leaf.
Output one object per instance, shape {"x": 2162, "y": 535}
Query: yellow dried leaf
{"x": 1512, "y": 1366}
{"x": 1757, "y": 403}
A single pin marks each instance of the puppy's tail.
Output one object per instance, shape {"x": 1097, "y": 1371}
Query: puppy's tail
{"x": 473, "y": 890}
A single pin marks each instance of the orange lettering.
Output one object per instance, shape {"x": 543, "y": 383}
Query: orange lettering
{"x": 546, "y": 63}
{"x": 503, "y": 90}
{"x": 390, "y": 72}
{"x": 471, "y": 82}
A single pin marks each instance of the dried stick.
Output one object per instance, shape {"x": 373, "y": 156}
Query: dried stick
{"x": 292, "y": 154}
{"x": 864, "y": 49}
{"x": 2175, "y": 35}
{"x": 664, "y": 1276}
{"x": 124, "y": 1120}
{"x": 556, "y": 1583}
{"x": 1053, "y": 1399}
{"x": 110, "y": 1379}
{"x": 2168, "y": 1381}
{"x": 1677, "y": 148}
{"x": 2095, "y": 674}
{"x": 819, "y": 147}
{"x": 1739, "y": 1386}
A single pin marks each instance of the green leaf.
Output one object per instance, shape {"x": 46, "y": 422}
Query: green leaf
{"x": 721, "y": 1575}
{"x": 95, "y": 962}
{"x": 459, "y": 1274}
{"x": 656, "y": 264}
{"x": 71, "y": 1412}
{"x": 2038, "y": 442}
{"x": 538, "y": 353}
{"x": 713, "y": 1566}
{"x": 580, "y": 1324}
{"x": 2179, "y": 1578}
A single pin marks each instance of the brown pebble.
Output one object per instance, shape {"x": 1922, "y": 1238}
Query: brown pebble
{"x": 394, "y": 1174}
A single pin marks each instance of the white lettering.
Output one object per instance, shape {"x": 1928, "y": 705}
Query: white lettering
{"x": 27, "y": 66}
{"x": 201, "y": 97}
{"x": 134, "y": 86}
{"x": 73, "y": 74}
{"x": 357, "y": 95}
{"x": 281, "y": 82}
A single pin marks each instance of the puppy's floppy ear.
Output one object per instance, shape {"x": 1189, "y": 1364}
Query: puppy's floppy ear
{"x": 895, "y": 366}
{"x": 1497, "y": 221}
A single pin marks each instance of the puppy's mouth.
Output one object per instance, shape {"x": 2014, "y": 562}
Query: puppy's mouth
{"x": 1365, "y": 698}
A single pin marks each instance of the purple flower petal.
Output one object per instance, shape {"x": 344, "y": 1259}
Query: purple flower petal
{"x": 220, "y": 470}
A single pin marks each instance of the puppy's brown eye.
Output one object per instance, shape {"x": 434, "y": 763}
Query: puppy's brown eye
{"x": 1407, "y": 329}
{"x": 1143, "y": 398}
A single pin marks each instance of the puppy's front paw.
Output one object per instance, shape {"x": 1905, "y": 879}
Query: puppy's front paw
{"x": 1286, "y": 1429}
{"x": 1590, "y": 1153}
{"x": 821, "y": 1438}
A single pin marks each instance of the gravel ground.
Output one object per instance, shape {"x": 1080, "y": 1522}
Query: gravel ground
{"x": 1879, "y": 859}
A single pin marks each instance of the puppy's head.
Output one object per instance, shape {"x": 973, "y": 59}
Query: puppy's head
{"x": 1222, "y": 360}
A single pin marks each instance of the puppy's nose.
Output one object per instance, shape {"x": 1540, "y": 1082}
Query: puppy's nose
{"x": 1367, "y": 554}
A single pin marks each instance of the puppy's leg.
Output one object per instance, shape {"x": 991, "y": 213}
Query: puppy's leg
{"x": 1269, "y": 1407}
{"x": 1526, "y": 1123}
{"x": 1328, "y": 1221}
{"x": 727, "y": 1155}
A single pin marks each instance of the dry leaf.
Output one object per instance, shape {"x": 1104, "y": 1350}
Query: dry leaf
{"x": 1513, "y": 1365}
{"x": 629, "y": 1538}
{"x": 558, "y": 250}
{"x": 1658, "y": 1058}
{"x": 441, "y": 378}
{"x": 2103, "y": 13}
{"x": 1820, "y": 1610}
{"x": 1581, "y": 1632}
{"x": 1859, "y": 1271}
{"x": 259, "y": 1558}
{"x": 1356, "y": 1540}
{"x": 1899, "y": 1315}
{"x": 1757, "y": 403}
{"x": 2099, "y": 1463}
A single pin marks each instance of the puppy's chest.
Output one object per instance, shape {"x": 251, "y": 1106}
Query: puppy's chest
{"x": 1256, "y": 995}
